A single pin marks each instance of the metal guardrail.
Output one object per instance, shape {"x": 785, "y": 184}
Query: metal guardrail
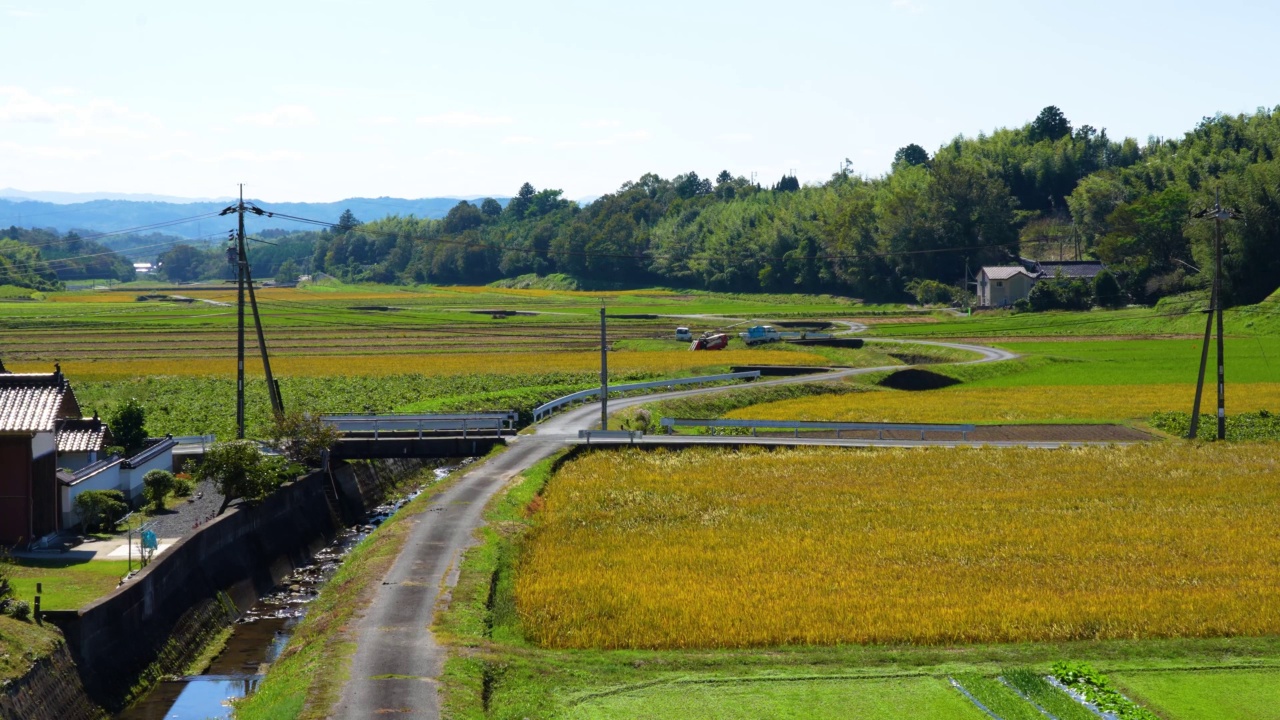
{"x": 546, "y": 409}
{"x": 631, "y": 435}
{"x": 495, "y": 423}
{"x": 839, "y": 427}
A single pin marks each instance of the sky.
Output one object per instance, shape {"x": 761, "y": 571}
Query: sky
{"x": 328, "y": 99}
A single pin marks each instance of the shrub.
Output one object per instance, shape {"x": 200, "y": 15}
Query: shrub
{"x": 156, "y": 486}
{"x": 6, "y": 571}
{"x": 239, "y": 471}
{"x": 183, "y": 485}
{"x": 932, "y": 292}
{"x": 302, "y": 437}
{"x": 18, "y": 609}
{"x": 636, "y": 419}
{"x": 101, "y": 508}
{"x": 1107, "y": 292}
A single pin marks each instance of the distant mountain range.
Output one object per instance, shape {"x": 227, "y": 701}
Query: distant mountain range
{"x": 109, "y": 214}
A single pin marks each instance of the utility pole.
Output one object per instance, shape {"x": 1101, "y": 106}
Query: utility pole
{"x": 1218, "y": 213}
{"x": 244, "y": 278}
{"x": 604, "y": 371}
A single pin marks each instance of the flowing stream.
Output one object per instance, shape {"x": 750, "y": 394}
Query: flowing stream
{"x": 260, "y": 635}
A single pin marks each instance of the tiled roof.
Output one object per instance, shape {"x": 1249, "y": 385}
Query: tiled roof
{"x": 1071, "y": 269}
{"x": 1004, "y": 272}
{"x": 77, "y": 435}
{"x": 31, "y": 402}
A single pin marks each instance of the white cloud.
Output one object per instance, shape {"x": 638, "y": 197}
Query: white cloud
{"x": 382, "y": 120}
{"x": 519, "y": 140}
{"x": 20, "y": 13}
{"x": 736, "y": 137}
{"x": 910, "y": 6}
{"x": 600, "y": 124}
{"x": 20, "y": 105}
{"x": 282, "y": 116}
{"x": 464, "y": 119}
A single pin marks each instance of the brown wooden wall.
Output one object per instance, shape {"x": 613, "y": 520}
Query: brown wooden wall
{"x": 15, "y": 488}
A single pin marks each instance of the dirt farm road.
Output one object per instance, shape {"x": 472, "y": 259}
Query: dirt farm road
{"x": 397, "y": 663}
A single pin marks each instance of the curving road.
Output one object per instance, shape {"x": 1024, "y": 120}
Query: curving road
{"x": 397, "y": 660}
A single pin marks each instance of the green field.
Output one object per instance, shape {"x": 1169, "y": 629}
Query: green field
{"x": 1206, "y": 694}
{"x": 926, "y": 698}
{"x": 67, "y": 584}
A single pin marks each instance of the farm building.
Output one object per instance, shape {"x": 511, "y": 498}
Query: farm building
{"x": 31, "y": 404}
{"x": 1004, "y": 285}
{"x": 113, "y": 473}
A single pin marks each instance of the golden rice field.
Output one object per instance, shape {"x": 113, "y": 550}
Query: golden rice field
{"x": 716, "y": 548}
{"x": 498, "y": 363}
{"x": 1011, "y": 404}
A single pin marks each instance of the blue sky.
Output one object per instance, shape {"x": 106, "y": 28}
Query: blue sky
{"x": 326, "y": 99}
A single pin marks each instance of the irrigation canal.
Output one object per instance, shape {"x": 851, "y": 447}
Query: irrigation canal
{"x": 261, "y": 633}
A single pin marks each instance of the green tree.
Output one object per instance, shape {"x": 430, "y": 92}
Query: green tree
{"x": 346, "y": 222}
{"x": 156, "y": 486}
{"x": 302, "y": 437}
{"x": 911, "y": 154}
{"x": 1106, "y": 291}
{"x": 128, "y": 425}
{"x": 287, "y": 272}
{"x": 1050, "y": 125}
{"x": 239, "y": 471}
{"x": 182, "y": 263}
{"x": 490, "y": 208}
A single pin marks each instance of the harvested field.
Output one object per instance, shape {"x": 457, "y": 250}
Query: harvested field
{"x": 722, "y": 548}
{"x": 993, "y": 433}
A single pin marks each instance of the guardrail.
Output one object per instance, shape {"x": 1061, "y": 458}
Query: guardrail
{"x": 546, "y": 409}
{"x": 496, "y": 423}
{"x": 631, "y": 435}
{"x": 202, "y": 440}
{"x": 798, "y": 425}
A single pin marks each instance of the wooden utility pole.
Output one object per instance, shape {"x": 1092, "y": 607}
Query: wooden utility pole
{"x": 1218, "y": 213}
{"x": 604, "y": 371}
{"x": 244, "y": 278}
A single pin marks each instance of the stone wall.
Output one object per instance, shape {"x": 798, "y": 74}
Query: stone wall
{"x": 51, "y": 690}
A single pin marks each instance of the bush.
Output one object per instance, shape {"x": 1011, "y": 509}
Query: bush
{"x": 100, "y": 508}
{"x": 156, "y": 486}
{"x": 183, "y": 485}
{"x": 636, "y": 419}
{"x": 17, "y": 609}
{"x": 1107, "y": 292}
{"x": 302, "y": 437}
{"x": 1060, "y": 294}
{"x": 6, "y": 571}
{"x": 239, "y": 471}
{"x": 932, "y": 292}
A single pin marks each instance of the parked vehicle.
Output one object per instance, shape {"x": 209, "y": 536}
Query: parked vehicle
{"x": 682, "y": 333}
{"x": 718, "y": 341}
{"x": 760, "y": 334}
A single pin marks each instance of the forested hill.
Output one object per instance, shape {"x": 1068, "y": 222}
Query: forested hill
{"x": 1047, "y": 189}
{"x": 111, "y": 215}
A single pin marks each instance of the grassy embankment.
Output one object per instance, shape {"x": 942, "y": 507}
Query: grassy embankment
{"x": 21, "y": 644}
{"x": 497, "y": 671}
{"x": 67, "y": 584}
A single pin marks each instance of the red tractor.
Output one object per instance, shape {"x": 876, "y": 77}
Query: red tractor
{"x": 718, "y": 341}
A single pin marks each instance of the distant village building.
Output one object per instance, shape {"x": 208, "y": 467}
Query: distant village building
{"x": 1004, "y": 285}
{"x": 143, "y": 267}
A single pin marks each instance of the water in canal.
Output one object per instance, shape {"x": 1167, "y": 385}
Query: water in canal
{"x": 259, "y": 636}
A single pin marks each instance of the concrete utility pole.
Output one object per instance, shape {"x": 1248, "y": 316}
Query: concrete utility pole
{"x": 1218, "y": 213}
{"x": 604, "y": 371}
{"x": 244, "y": 278}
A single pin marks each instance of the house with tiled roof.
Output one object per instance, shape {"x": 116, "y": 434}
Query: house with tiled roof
{"x": 1004, "y": 285}
{"x": 31, "y": 405}
{"x": 81, "y": 441}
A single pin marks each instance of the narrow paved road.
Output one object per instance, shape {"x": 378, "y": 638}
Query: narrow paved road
{"x": 398, "y": 661}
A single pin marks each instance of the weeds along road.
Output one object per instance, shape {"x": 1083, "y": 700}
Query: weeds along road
{"x": 398, "y": 662}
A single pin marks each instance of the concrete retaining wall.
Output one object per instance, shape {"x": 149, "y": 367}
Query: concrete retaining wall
{"x": 51, "y": 690}
{"x": 127, "y": 637}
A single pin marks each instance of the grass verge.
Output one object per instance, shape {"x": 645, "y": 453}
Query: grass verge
{"x": 67, "y": 584}
{"x": 22, "y": 644}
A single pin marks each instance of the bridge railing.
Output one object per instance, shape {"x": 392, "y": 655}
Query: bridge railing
{"x": 839, "y": 427}
{"x": 545, "y": 410}
{"x": 494, "y": 423}
{"x": 631, "y": 435}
